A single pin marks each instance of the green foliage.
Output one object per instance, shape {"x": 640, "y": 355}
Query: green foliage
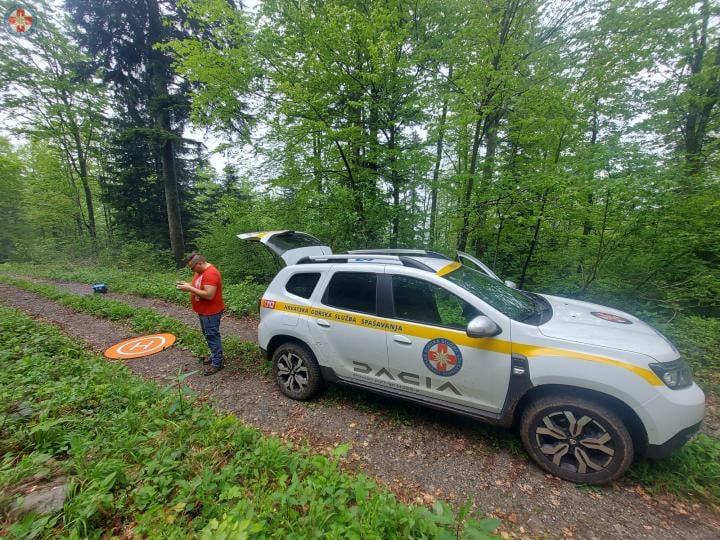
{"x": 146, "y": 320}
{"x": 694, "y": 469}
{"x": 141, "y": 275}
{"x": 12, "y": 220}
{"x": 134, "y": 462}
{"x": 698, "y": 339}
{"x": 240, "y": 260}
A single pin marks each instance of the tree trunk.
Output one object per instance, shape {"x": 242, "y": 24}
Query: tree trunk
{"x": 172, "y": 198}
{"x": 534, "y": 242}
{"x": 317, "y": 163}
{"x": 705, "y": 95}
{"x": 82, "y": 169}
{"x": 159, "y": 67}
{"x": 601, "y": 245}
{"x": 465, "y": 228}
{"x": 395, "y": 182}
{"x": 492, "y": 122}
{"x": 436, "y": 170}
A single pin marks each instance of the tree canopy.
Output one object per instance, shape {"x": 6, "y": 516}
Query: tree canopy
{"x": 572, "y": 146}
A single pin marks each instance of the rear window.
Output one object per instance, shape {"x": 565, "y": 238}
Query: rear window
{"x": 292, "y": 240}
{"x": 354, "y": 291}
{"x": 302, "y": 284}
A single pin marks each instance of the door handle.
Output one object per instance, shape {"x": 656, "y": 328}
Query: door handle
{"x": 402, "y": 339}
{"x": 323, "y": 322}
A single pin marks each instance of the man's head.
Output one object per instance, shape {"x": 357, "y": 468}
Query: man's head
{"x": 196, "y": 262}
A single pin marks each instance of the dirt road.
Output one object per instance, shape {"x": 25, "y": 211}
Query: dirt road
{"x": 418, "y": 453}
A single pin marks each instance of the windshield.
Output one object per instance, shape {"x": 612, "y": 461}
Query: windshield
{"x": 513, "y": 303}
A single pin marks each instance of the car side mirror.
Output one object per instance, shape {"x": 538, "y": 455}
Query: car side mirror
{"x": 481, "y": 326}
{"x": 511, "y": 284}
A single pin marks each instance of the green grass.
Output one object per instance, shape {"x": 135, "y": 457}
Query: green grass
{"x": 241, "y": 353}
{"x": 143, "y": 461}
{"x": 240, "y": 299}
{"x": 694, "y": 471}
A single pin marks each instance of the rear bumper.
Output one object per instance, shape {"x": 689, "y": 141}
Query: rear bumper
{"x": 660, "y": 451}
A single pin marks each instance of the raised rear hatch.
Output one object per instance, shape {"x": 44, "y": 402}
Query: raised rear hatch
{"x": 290, "y": 246}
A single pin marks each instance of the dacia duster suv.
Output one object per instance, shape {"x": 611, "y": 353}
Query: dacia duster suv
{"x": 589, "y": 387}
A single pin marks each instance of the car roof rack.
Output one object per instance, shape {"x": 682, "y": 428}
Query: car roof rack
{"x": 348, "y": 257}
{"x": 400, "y": 251}
{"x": 365, "y": 257}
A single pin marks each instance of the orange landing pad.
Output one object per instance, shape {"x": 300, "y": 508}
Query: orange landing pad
{"x": 140, "y": 346}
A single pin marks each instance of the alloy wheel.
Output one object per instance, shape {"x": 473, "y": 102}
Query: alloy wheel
{"x": 581, "y": 445}
{"x": 292, "y": 372}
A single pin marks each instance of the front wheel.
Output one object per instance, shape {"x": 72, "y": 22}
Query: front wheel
{"x": 576, "y": 439}
{"x": 296, "y": 371}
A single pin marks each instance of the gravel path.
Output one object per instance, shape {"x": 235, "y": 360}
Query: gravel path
{"x": 420, "y": 454}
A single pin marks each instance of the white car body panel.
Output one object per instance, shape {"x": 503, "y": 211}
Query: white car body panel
{"x": 573, "y": 348}
{"x": 573, "y": 321}
{"x": 484, "y": 377}
{"x": 342, "y": 344}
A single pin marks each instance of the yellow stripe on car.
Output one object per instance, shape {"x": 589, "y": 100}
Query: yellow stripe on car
{"x": 457, "y": 336}
{"x": 534, "y": 350}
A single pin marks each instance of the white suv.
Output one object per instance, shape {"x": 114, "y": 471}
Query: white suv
{"x": 589, "y": 387}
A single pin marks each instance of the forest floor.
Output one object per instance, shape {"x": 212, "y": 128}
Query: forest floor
{"x": 419, "y": 454}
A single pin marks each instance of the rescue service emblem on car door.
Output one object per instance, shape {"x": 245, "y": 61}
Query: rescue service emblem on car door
{"x": 442, "y": 357}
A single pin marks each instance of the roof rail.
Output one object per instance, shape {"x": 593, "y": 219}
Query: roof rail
{"x": 400, "y": 251}
{"x": 348, "y": 257}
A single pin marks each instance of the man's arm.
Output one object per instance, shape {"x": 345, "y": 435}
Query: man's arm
{"x": 206, "y": 293}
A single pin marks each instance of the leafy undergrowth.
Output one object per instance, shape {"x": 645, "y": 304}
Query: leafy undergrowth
{"x": 140, "y": 461}
{"x": 241, "y": 299}
{"x": 241, "y": 353}
{"x": 693, "y": 471}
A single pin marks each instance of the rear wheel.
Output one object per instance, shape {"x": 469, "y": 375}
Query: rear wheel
{"x": 296, "y": 371}
{"x": 577, "y": 439}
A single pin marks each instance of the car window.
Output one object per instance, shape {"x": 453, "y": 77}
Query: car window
{"x": 283, "y": 242}
{"x": 303, "y": 284}
{"x": 421, "y": 301}
{"x": 515, "y": 304}
{"x": 352, "y": 290}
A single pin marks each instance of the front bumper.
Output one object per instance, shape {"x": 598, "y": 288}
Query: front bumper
{"x": 660, "y": 451}
{"x": 671, "y": 417}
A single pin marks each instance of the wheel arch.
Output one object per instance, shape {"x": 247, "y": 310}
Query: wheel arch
{"x": 279, "y": 339}
{"x": 624, "y": 411}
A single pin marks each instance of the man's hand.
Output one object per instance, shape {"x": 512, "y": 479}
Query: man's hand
{"x": 183, "y": 286}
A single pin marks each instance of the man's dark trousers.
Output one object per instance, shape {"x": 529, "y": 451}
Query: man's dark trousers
{"x": 210, "y": 325}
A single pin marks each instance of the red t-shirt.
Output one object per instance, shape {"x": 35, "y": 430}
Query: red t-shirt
{"x": 210, "y": 276}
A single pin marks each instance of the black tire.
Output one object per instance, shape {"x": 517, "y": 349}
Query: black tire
{"x": 596, "y": 449}
{"x": 296, "y": 371}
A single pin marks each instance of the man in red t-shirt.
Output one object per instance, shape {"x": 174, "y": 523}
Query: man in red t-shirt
{"x": 207, "y": 301}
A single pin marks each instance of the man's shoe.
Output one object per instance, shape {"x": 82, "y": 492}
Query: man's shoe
{"x": 212, "y": 371}
{"x": 206, "y": 361}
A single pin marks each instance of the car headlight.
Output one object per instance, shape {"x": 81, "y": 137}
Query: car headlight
{"x": 675, "y": 374}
